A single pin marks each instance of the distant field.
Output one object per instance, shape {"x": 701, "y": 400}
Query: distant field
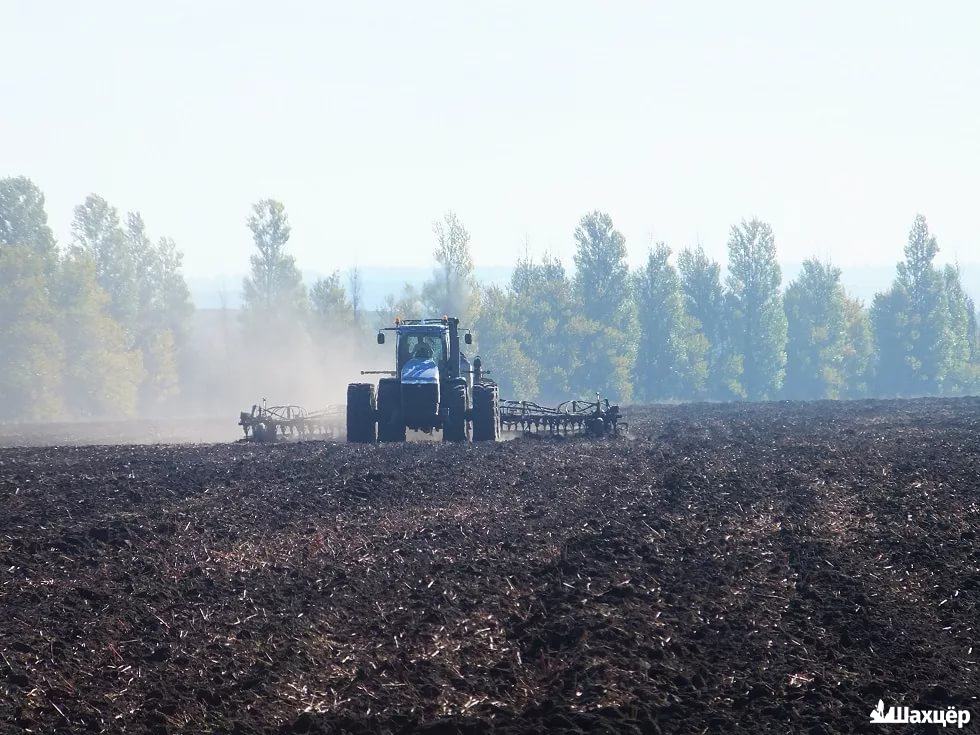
{"x": 730, "y": 568}
{"x": 165, "y": 431}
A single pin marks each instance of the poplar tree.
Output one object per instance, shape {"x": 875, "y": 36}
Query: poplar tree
{"x": 816, "y": 333}
{"x": 758, "y": 320}
{"x": 661, "y": 366}
{"x": 275, "y": 287}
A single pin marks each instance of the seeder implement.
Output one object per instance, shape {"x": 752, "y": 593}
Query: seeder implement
{"x": 596, "y": 418}
{"x": 270, "y": 423}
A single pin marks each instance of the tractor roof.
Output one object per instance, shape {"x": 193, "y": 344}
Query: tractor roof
{"x": 421, "y": 325}
{"x": 432, "y": 328}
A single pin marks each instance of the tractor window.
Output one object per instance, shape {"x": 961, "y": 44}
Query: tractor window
{"x": 420, "y": 346}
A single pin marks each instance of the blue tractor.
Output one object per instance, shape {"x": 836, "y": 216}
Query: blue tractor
{"x": 433, "y": 388}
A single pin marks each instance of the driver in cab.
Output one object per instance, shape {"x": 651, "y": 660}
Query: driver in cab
{"x": 423, "y": 350}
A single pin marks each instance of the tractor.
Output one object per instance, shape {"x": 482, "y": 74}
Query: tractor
{"x": 432, "y": 388}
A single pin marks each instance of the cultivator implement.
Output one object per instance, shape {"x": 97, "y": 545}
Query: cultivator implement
{"x": 596, "y": 418}
{"x": 270, "y": 423}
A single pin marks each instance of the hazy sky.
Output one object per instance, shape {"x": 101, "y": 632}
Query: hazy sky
{"x": 836, "y": 122}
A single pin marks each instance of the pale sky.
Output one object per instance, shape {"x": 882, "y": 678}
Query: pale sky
{"x": 836, "y": 122}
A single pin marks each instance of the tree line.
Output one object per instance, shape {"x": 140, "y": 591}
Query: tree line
{"x": 92, "y": 329}
{"x": 675, "y": 329}
{"x": 100, "y": 327}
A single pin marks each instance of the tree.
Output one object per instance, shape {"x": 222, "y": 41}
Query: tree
{"x": 144, "y": 257}
{"x": 497, "y": 335}
{"x": 974, "y": 330}
{"x": 602, "y": 292}
{"x": 858, "y": 349}
{"x": 893, "y": 371}
{"x": 661, "y": 362}
{"x": 601, "y": 273}
{"x": 23, "y": 219}
{"x": 163, "y": 311}
{"x": 958, "y": 373}
{"x": 602, "y": 365}
{"x": 102, "y": 372}
{"x": 543, "y": 305}
{"x": 275, "y": 287}
{"x": 705, "y": 303}
{"x": 355, "y": 288}
{"x": 407, "y": 305}
{"x": 172, "y": 295}
{"x": 31, "y": 353}
{"x": 912, "y": 323}
{"x": 974, "y": 338}
{"x": 928, "y": 316}
{"x": 758, "y": 319}
{"x": 331, "y": 306}
{"x": 452, "y": 289}
{"x": 816, "y": 332}
{"x": 96, "y": 230}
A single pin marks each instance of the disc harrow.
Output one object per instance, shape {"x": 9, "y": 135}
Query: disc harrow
{"x": 271, "y": 423}
{"x": 595, "y": 419}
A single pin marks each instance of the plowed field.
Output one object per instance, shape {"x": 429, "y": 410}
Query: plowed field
{"x": 758, "y": 568}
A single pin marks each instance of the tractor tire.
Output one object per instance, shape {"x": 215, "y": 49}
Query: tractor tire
{"x": 486, "y": 413}
{"x": 455, "y": 428}
{"x": 361, "y": 413}
{"x": 391, "y": 424}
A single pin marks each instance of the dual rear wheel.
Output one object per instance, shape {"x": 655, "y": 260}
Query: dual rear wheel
{"x": 361, "y": 408}
{"x": 372, "y": 418}
{"x": 391, "y": 423}
{"x": 486, "y": 412}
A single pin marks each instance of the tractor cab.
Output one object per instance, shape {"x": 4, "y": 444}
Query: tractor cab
{"x": 421, "y": 352}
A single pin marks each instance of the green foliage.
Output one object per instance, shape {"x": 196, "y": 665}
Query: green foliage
{"x": 100, "y": 329}
{"x": 959, "y": 376}
{"x": 355, "y": 290}
{"x": 602, "y": 294}
{"x": 707, "y": 310}
{"x": 858, "y": 349}
{"x": 543, "y": 306}
{"x": 922, "y": 325}
{"x": 497, "y": 337}
{"x": 23, "y": 219}
{"x": 163, "y": 312}
{"x": 927, "y": 314}
{"x": 31, "y": 353}
{"x": 600, "y": 365}
{"x": 973, "y": 330}
{"x": 973, "y": 335}
{"x": 171, "y": 295}
{"x": 601, "y": 273}
{"x": 96, "y": 230}
{"x": 452, "y": 290}
{"x": 893, "y": 371}
{"x": 758, "y": 320}
{"x": 275, "y": 287}
{"x": 407, "y": 305}
{"x": 331, "y": 307}
{"x": 102, "y": 374}
{"x": 161, "y": 380}
{"x": 662, "y": 369}
{"x": 816, "y": 333}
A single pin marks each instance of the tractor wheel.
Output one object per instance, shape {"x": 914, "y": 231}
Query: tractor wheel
{"x": 361, "y": 426}
{"x": 486, "y": 413}
{"x": 391, "y": 425}
{"x": 455, "y": 427}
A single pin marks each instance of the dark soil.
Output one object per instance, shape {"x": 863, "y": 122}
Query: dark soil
{"x": 763, "y": 568}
